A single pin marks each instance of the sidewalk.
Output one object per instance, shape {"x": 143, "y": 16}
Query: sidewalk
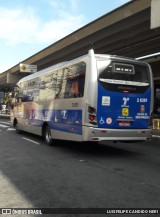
{"x": 156, "y": 133}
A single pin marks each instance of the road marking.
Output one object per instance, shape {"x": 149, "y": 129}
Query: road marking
{"x": 30, "y": 140}
{"x": 4, "y": 126}
{"x": 7, "y": 123}
{"x": 11, "y": 129}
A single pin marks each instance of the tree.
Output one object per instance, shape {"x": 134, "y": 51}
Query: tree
{"x": 8, "y": 98}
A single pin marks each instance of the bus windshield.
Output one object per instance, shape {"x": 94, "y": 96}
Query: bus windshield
{"x": 119, "y": 76}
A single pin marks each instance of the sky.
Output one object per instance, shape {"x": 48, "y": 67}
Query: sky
{"x": 29, "y": 26}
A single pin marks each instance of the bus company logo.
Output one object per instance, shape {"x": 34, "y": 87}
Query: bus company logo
{"x": 6, "y": 211}
{"x": 64, "y": 114}
{"x": 125, "y": 100}
{"x": 142, "y": 109}
{"x": 125, "y": 112}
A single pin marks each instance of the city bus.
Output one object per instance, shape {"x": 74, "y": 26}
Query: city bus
{"x": 94, "y": 97}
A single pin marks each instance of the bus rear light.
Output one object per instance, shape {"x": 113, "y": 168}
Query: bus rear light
{"x": 92, "y": 115}
{"x": 91, "y": 110}
{"x": 95, "y": 139}
{"x": 151, "y": 122}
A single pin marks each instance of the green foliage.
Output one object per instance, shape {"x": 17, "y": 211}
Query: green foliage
{"x": 7, "y": 98}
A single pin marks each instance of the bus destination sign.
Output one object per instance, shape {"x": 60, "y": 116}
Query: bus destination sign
{"x": 123, "y": 68}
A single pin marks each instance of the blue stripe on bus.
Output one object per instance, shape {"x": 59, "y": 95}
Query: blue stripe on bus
{"x": 69, "y": 121}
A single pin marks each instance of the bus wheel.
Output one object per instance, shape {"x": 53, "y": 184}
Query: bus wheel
{"x": 18, "y": 130}
{"x": 47, "y": 136}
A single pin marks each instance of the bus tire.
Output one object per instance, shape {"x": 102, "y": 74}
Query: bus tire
{"x": 47, "y": 136}
{"x": 18, "y": 131}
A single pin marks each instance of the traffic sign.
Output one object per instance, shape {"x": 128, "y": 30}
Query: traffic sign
{"x": 28, "y": 68}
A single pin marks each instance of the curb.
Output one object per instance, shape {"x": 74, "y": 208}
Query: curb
{"x": 156, "y": 136}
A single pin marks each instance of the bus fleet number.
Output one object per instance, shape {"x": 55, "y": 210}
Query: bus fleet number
{"x": 141, "y": 99}
{"x": 75, "y": 104}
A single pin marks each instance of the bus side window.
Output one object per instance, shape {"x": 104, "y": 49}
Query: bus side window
{"x": 75, "y": 88}
{"x": 59, "y": 84}
{"x": 75, "y": 80}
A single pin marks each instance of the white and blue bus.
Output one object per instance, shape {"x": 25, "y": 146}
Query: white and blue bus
{"x": 94, "y": 97}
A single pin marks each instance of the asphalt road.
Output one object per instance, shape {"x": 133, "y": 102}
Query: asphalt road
{"x": 75, "y": 175}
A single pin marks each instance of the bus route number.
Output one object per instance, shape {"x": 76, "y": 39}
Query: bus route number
{"x": 141, "y": 99}
{"x": 75, "y": 104}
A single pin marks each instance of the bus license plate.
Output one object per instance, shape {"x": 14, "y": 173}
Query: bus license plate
{"x": 124, "y": 123}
